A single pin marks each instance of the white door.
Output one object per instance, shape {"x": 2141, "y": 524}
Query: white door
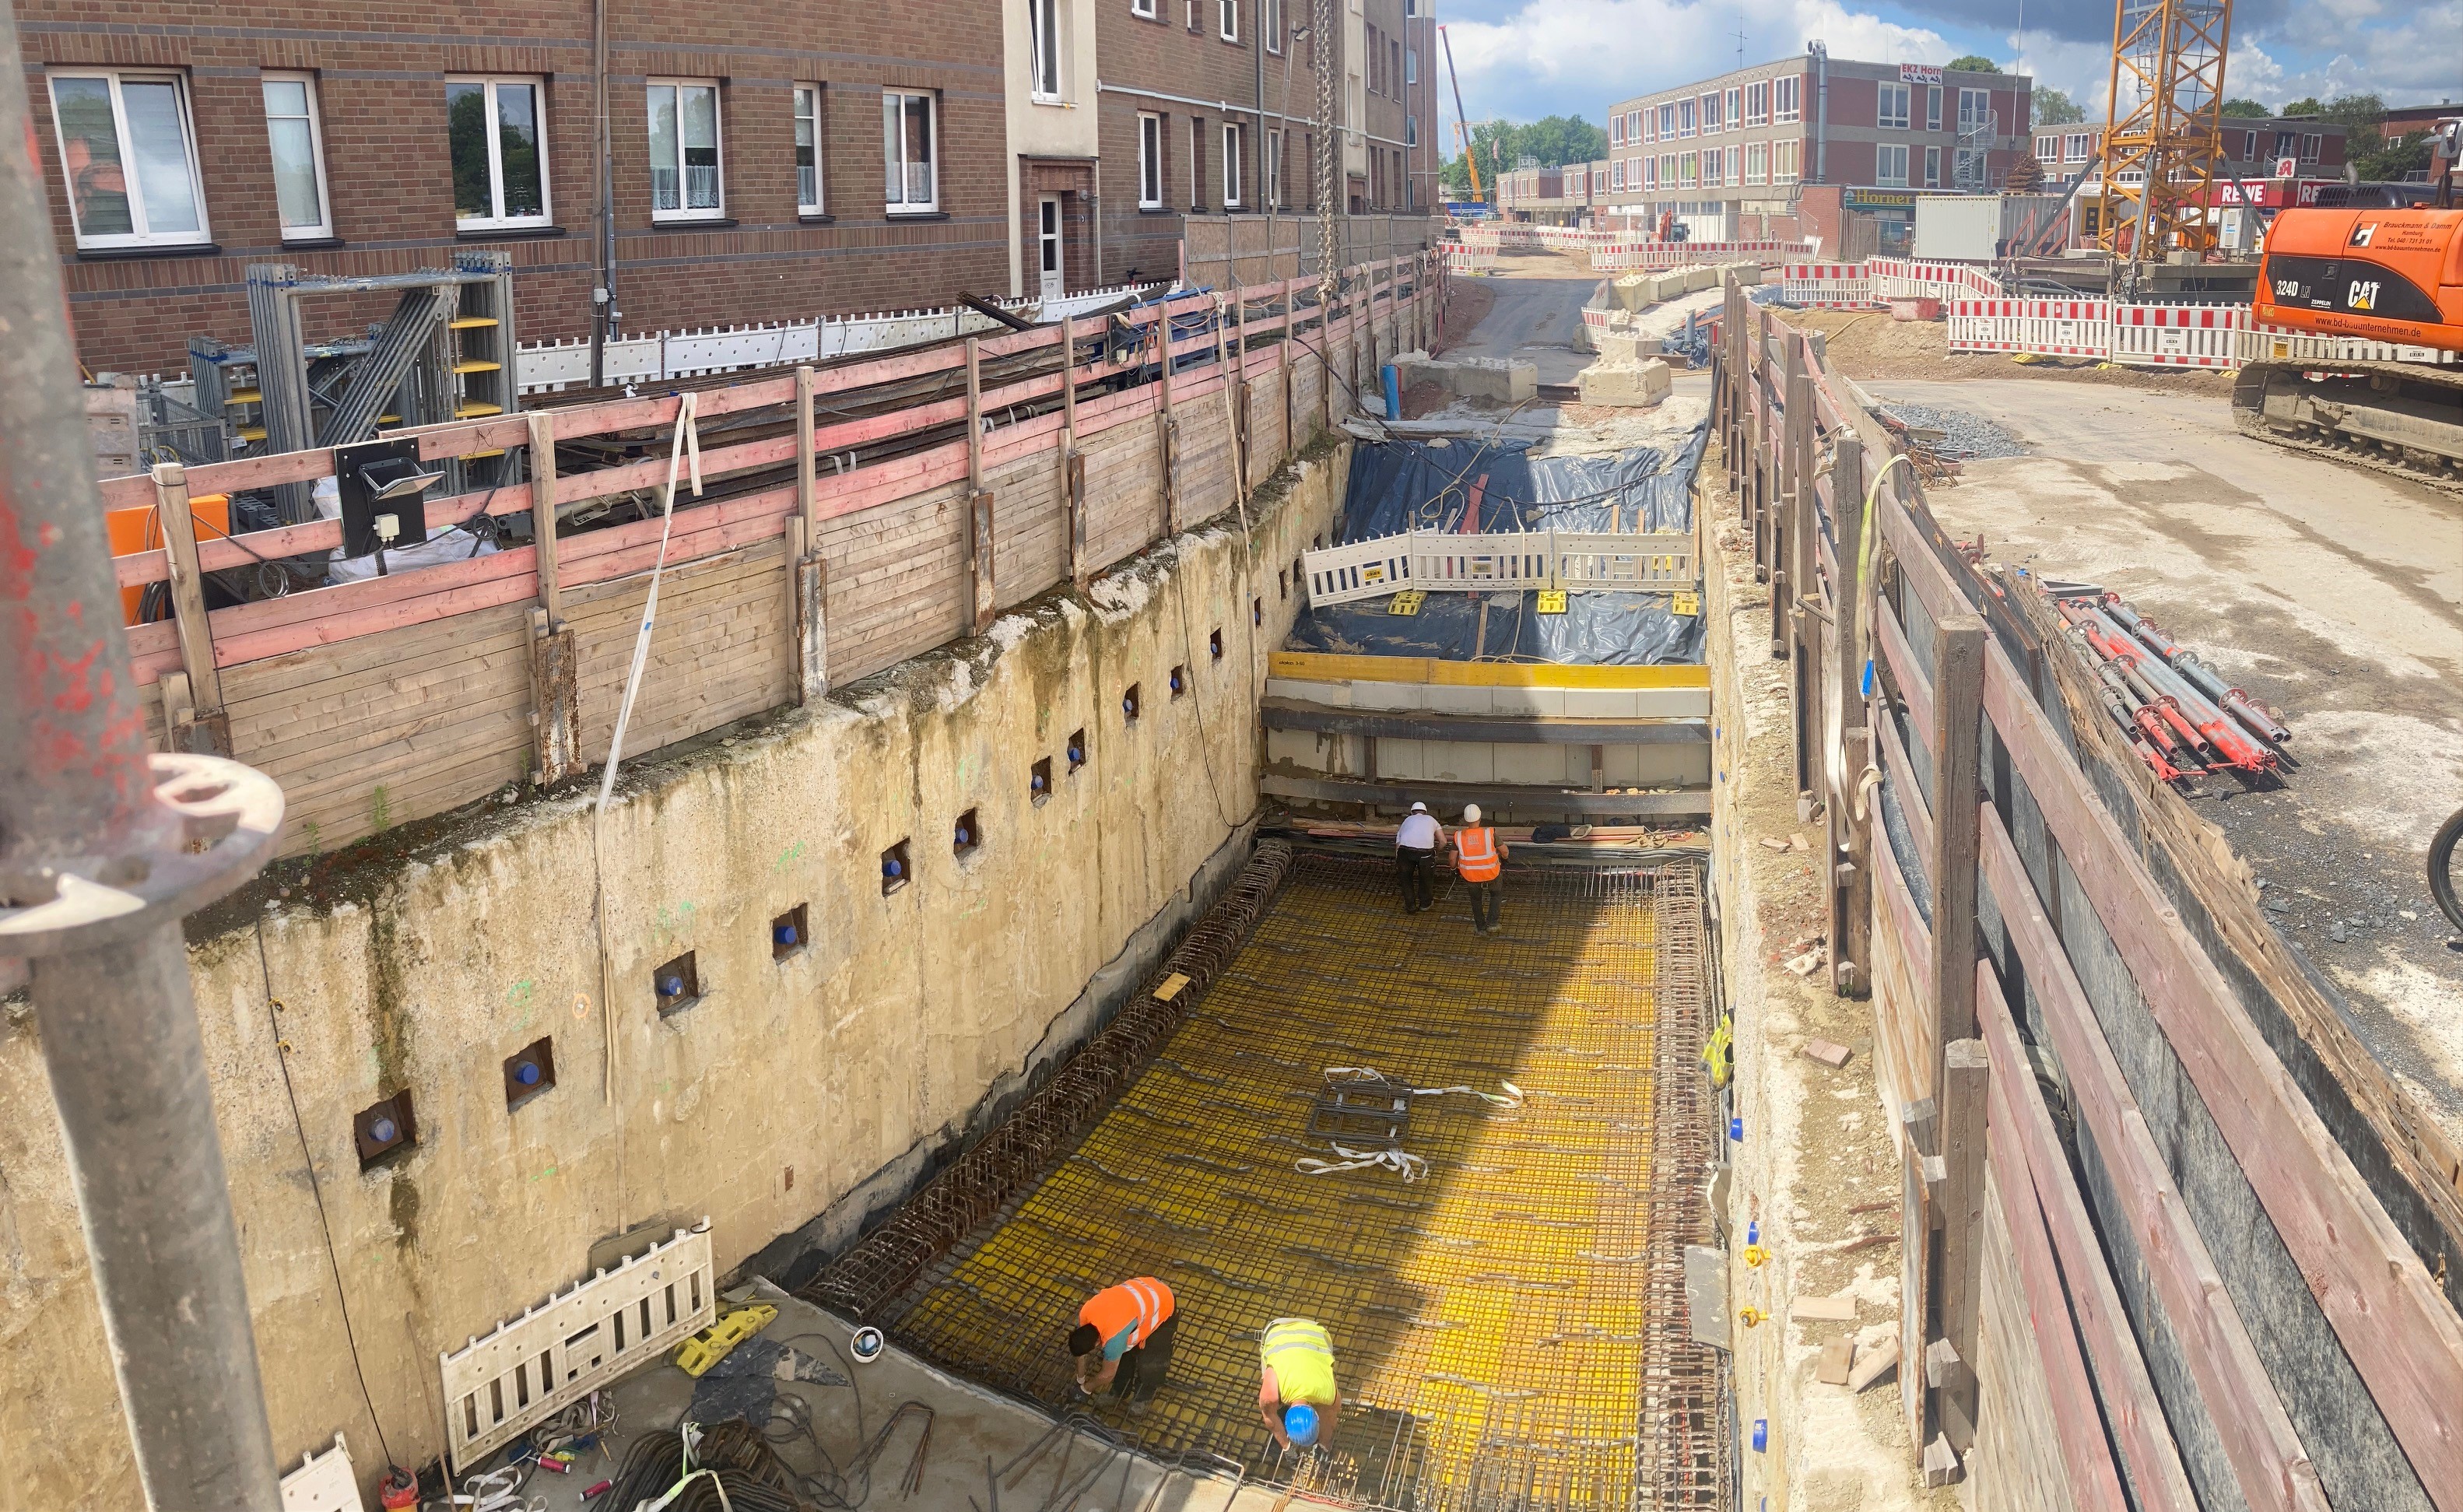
{"x": 1047, "y": 245}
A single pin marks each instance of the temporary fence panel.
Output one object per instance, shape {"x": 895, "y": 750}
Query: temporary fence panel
{"x": 2178, "y": 334}
{"x": 555, "y": 1353}
{"x": 1655, "y": 561}
{"x": 2269, "y": 343}
{"x": 1362, "y": 569}
{"x": 1906, "y": 278}
{"x": 1825, "y": 286}
{"x": 324, "y": 1482}
{"x": 1505, "y": 559}
{"x": 2052, "y": 327}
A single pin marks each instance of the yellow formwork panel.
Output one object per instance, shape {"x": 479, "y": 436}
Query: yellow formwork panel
{"x": 1489, "y": 1314}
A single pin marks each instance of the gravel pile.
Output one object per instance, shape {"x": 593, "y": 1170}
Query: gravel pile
{"x": 1968, "y": 436}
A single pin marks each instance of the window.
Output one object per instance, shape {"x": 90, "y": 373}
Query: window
{"x": 2048, "y": 149}
{"x": 298, "y": 156}
{"x": 1668, "y": 170}
{"x": 1784, "y": 160}
{"x": 808, "y": 149}
{"x": 683, "y": 149}
{"x": 1758, "y": 104}
{"x": 1272, "y": 19}
{"x": 1274, "y": 163}
{"x": 909, "y": 152}
{"x": 1735, "y": 168}
{"x": 2309, "y": 145}
{"x": 130, "y": 159}
{"x": 1933, "y": 167}
{"x": 1966, "y": 170}
{"x": 1757, "y": 163}
{"x": 1149, "y": 161}
{"x": 1227, "y": 19}
{"x": 2286, "y": 143}
{"x": 1736, "y": 108}
{"x": 1975, "y": 109}
{"x": 1710, "y": 167}
{"x": 1144, "y": 8}
{"x": 1648, "y": 121}
{"x": 1684, "y": 118}
{"x": 1043, "y": 43}
{"x": 1689, "y": 166}
{"x": 1933, "y": 107}
{"x": 499, "y": 152}
{"x": 1411, "y": 131}
{"x": 1616, "y": 174}
{"x": 1411, "y": 65}
{"x": 1650, "y": 173}
{"x": 2074, "y": 146}
{"x": 1393, "y": 66}
{"x": 1710, "y": 113}
{"x": 1230, "y": 166}
{"x": 1616, "y": 131}
{"x": 1890, "y": 105}
{"x": 1785, "y": 90}
{"x": 1890, "y": 164}
{"x": 1197, "y": 163}
{"x": 1667, "y": 123}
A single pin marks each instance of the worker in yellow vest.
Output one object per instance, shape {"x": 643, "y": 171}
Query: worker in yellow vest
{"x": 1123, "y": 1341}
{"x": 1480, "y": 860}
{"x": 1297, "y": 1398}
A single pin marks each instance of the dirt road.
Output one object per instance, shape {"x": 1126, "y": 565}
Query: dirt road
{"x": 2333, "y": 593}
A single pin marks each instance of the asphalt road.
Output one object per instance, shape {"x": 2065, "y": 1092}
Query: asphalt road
{"x": 2331, "y": 592}
{"x": 1537, "y": 315}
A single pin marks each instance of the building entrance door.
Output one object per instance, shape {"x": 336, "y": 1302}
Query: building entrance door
{"x": 1049, "y": 260}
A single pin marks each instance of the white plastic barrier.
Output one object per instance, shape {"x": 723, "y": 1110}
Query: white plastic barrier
{"x": 1825, "y": 286}
{"x": 566, "y": 1348}
{"x": 1628, "y": 253}
{"x": 2270, "y": 343}
{"x": 1903, "y": 278}
{"x": 324, "y": 1482}
{"x": 1593, "y": 561}
{"x": 2052, "y": 327}
{"x": 2178, "y": 334}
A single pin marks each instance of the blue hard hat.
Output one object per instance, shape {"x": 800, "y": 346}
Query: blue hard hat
{"x": 1299, "y": 1421}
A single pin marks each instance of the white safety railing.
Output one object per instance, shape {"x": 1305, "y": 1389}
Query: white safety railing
{"x": 1825, "y": 286}
{"x": 561, "y": 1350}
{"x": 550, "y": 365}
{"x": 1580, "y": 561}
{"x": 324, "y": 1482}
{"x": 2216, "y": 337}
{"x": 1631, "y": 253}
{"x": 2048, "y": 327}
{"x": 1906, "y": 278}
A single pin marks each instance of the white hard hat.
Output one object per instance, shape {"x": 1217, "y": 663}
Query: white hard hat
{"x": 1419, "y": 808}
{"x": 1470, "y": 813}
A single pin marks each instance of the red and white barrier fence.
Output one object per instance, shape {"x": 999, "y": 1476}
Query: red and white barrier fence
{"x": 2209, "y": 335}
{"x": 1646, "y": 254}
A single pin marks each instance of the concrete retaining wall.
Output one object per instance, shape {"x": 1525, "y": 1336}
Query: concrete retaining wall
{"x": 791, "y": 1097}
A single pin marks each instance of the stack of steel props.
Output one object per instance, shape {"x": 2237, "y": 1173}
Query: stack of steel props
{"x": 2182, "y": 718}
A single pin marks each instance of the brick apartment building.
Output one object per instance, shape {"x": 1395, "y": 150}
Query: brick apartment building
{"x": 2252, "y": 149}
{"x": 1209, "y": 107}
{"x": 1807, "y": 144}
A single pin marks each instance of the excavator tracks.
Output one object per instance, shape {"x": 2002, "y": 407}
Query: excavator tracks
{"x": 2403, "y": 419}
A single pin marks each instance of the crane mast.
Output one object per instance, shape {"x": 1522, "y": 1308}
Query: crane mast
{"x": 1462, "y": 122}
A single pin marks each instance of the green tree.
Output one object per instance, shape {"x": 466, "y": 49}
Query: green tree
{"x": 2054, "y": 107}
{"x": 1499, "y": 146}
{"x": 2246, "y": 109}
{"x": 2306, "y": 107}
{"x": 1975, "y": 63}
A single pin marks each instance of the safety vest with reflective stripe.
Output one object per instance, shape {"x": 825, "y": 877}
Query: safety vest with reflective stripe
{"x": 1302, "y": 1359}
{"x": 1139, "y": 1305}
{"x": 1475, "y": 853}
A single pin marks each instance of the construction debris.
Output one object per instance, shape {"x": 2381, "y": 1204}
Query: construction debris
{"x": 1872, "y": 1365}
{"x": 1833, "y": 1056}
{"x": 1840, "y": 1308}
{"x": 2183, "y": 719}
{"x": 1838, "y": 1357}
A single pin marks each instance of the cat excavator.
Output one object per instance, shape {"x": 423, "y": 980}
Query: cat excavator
{"x": 2388, "y": 275}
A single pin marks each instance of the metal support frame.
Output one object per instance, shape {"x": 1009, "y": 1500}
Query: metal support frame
{"x": 2163, "y": 119}
{"x": 103, "y": 846}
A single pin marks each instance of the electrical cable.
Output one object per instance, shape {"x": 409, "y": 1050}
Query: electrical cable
{"x": 316, "y": 1189}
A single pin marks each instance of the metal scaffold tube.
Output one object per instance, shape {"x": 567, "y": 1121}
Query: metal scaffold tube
{"x": 103, "y": 846}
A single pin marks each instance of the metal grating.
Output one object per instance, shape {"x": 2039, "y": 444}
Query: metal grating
{"x": 1511, "y": 1332}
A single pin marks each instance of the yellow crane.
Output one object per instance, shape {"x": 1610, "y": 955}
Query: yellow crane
{"x": 1462, "y": 122}
{"x": 2163, "y": 134}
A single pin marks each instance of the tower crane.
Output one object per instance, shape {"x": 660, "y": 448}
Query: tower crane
{"x": 1462, "y": 122}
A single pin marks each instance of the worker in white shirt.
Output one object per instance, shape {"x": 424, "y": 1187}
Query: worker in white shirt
{"x": 1415, "y": 858}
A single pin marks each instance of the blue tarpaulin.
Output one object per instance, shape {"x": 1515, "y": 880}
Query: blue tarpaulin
{"x": 1415, "y": 485}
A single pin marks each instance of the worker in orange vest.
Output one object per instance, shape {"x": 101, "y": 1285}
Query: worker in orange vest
{"x": 1123, "y": 1341}
{"x": 1480, "y": 861}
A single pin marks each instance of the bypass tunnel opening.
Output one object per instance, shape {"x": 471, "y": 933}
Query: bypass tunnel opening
{"x": 1510, "y": 1320}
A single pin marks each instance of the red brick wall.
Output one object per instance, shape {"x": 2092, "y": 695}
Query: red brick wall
{"x": 381, "y": 94}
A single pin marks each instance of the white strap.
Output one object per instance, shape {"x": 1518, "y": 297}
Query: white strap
{"x": 1368, "y": 1073}
{"x": 1410, "y": 1167}
{"x": 686, "y": 443}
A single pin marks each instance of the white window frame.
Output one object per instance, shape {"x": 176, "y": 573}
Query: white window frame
{"x": 1649, "y": 173}
{"x": 810, "y": 95}
{"x": 1271, "y": 18}
{"x": 1933, "y": 106}
{"x": 2076, "y": 145}
{"x": 1274, "y": 168}
{"x": 1684, "y": 118}
{"x": 1735, "y": 106}
{"x": 323, "y": 229}
{"x": 1667, "y": 123}
{"x": 1043, "y": 51}
{"x": 2048, "y": 147}
{"x": 1886, "y": 155}
{"x": 1710, "y": 169}
{"x": 1150, "y": 144}
{"x": 1787, "y": 98}
{"x": 1197, "y": 164}
{"x": 139, "y": 234}
{"x": 1734, "y": 164}
{"x": 931, "y": 99}
{"x": 1933, "y": 167}
{"x": 495, "y": 157}
{"x": 1982, "y": 102}
{"x": 1758, "y": 102}
{"x": 1227, "y": 19}
{"x": 1890, "y": 107}
{"x": 1784, "y": 161}
{"x": 1616, "y": 130}
{"x": 1143, "y": 8}
{"x": 1616, "y": 174}
{"x": 1689, "y": 165}
{"x": 1757, "y": 163}
{"x": 1411, "y": 131}
{"x": 685, "y": 210}
{"x": 1232, "y": 186}
{"x": 1410, "y": 66}
{"x": 1646, "y": 121}
{"x": 1710, "y": 117}
{"x": 2312, "y": 143}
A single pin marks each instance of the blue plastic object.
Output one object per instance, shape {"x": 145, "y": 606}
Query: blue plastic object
{"x": 784, "y": 934}
{"x": 1077, "y": 757}
{"x": 1737, "y": 1129}
{"x": 1035, "y": 782}
{"x": 1869, "y": 677}
{"x": 382, "y": 1130}
{"x": 1299, "y": 1422}
{"x": 1761, "y": 1436}
{"x": 1754, "y": 1232}
{"x": 1393, "y": 391}
{"x": 671, "y": 987}
{"x": 962, "y": 837}
{"x": 892, "y": 867}
{"x": 527, "y": 1073}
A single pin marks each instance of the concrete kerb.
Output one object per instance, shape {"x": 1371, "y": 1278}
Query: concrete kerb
{"x": 1471, "y": 378}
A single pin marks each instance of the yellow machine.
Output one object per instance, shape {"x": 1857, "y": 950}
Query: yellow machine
{"x": 713, "y": 1343}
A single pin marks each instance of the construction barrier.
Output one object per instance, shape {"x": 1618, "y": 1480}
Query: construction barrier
{"x": 2178, "y": 336}
{"x": 1905, "y": 278}
{"x": 1825, "y": 286}
{"x": 1619, "y": 255}
{"x": 1647, "y": 561}
{"x": 2051, "y": 327}
{"x": 2213, "y": 337}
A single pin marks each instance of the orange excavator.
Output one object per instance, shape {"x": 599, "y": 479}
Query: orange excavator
{"x": 2390, "y": 275}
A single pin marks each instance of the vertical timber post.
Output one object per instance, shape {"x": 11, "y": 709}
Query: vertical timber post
{"x": 556, "y": 682}
{"x": 1844, "y": 690}
{"x": 1959, "y": 1080}
{"x": 1283, "y": 371}
{"x": 1072, "y": 462}
{"x": 1166, "y": 424}
{"x": 804, "y": 562}
{"x": 209, "y": 729}
{"x": 982, "y": 599}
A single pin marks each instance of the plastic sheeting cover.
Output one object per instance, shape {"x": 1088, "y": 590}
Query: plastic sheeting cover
{"x": 1414, "y": 485}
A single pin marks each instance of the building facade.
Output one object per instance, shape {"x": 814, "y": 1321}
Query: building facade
{"x": 1730, "y": 156}
{"x": 2281, "y": 147}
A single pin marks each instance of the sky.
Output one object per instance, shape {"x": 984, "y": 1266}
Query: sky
{"x": 1527, "y": 58}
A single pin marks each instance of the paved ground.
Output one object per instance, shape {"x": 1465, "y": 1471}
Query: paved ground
{"x": 1538, "y": 313}
{"x": 2333, "y": 593}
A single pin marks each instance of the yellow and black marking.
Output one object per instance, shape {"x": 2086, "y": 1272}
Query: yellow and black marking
{"x": 1489, "y": 1319}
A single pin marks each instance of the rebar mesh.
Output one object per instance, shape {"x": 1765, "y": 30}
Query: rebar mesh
{"x": 1510, "y": 1330}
